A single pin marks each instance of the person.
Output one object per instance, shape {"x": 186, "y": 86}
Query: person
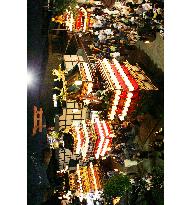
{"x": 146, "y": 6}
{"x": 101, "y": 37}
{"x": 115, "y": 54}
{"x": 139, "y": 10}
{"x": 113, "y": 48}
{"x": 159, "y": 14}
{"x": 96, "y": 33}
{"x": 97, "y": 24}
{"x": 108, "y": 32}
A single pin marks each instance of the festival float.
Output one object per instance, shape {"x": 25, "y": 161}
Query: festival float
{"x": 125, "y": 81}
{"x": 82, "y": 21}
{"x": 69, "y": 22}
{"x": 74, "y": 83}
{"x": 92, "y": 139}
{"x": 105, "y": 134}
{"x": 85, "y": 180}
{"x": 59, "y": 18}
{"x": 78, "y": 88}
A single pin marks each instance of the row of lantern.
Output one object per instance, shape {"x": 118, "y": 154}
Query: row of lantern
{"x": 88, "y": 21}
{"x": 93, "y": 175}
{"x": 131, "y": 97}
{"x": 123, "y": 75}
{"x": 101, "y": 138}
{"x": 86, "y": 76}
{"x": 88, "y": 178}
{"x": 79, "y": 180}
{"x": 85, "y": 146}
{"x": 79, "y": 21}
{"x": 109, "y": 71}
{"x": 126, "y": 89}
{"x": 84, "y": 70}
{"x": 80, "y": 139}
{"x": 70, "y": 20}
{"x": 89, "y": 78}
{"x": 104, "y": 75}
{"x": 84, "y": 137}
{"x": 122, "y": 100}
{"x": 98, "y": 177}
{"x": 126, "y": 103}
{"x": 120, "y": 77}
{"x": 85, "y": 179}
{"x": 105, "y": 134}
{"x": 92, "y": 181}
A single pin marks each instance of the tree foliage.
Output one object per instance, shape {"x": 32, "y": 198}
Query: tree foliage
{"x": 148, "y": 191}
{"x": 117, "y": 186}
{"x": 62, "y": 5}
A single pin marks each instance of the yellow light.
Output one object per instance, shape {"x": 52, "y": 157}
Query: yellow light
{"x": 116, "y": 200}
{"x": 147, "y": 42}
{"x": 78, "y": 82}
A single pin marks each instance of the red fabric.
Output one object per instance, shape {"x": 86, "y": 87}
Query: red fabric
{"x": 119, "y": 77}
{"x": 79, "y": 21}
{"x": 131, "y": 79}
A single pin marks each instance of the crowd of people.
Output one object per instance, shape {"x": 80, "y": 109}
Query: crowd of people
{"x": 126, "y": 145}
{"x": 120, "y": 27}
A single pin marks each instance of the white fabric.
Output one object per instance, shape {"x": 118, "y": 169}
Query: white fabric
{"x": 111, "y": 12}
{"x": 99, "y": 17}
{"x": 139, "y": 10}
{"x": 115, "y": 25}
{"x": 108, "y": 32}
{"x": 146, "y": 6}
{"x": 135, "y": 2}
{"x": 132, "y": 19}
{"x": 115, "y": 54}
{"x": 98, "y": 23}
{"x": 101, "y": 37}
{"x": 96, "y": 33}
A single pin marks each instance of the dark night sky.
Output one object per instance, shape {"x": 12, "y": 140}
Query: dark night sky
{"x": 35, "y": 42}
{"x": 36, "y": 52}
{"x": 37, "y": 56}
{"x": 36, "y": 63}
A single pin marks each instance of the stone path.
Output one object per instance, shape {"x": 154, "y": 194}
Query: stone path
{"x": 155, "y": 50}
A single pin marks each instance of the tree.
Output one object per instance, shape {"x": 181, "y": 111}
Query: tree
{"x": 62, "y": 5}
{"x": 148, "y": 189}
{"x": 117, "y": 186}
